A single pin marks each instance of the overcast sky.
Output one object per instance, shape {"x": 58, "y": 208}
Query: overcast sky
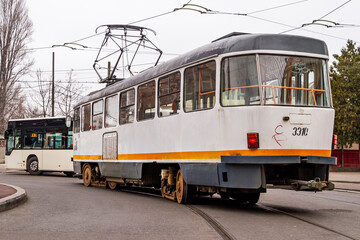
{"x": 58, "y": 22}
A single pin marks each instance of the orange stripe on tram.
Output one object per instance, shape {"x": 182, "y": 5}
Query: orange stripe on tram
{"x": 210, "y": 154}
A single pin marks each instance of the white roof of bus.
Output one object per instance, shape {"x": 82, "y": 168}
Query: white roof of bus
{"x": 28, "y": 119}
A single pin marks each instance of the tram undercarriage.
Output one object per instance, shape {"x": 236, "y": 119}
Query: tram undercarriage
{"x": 233, "y": 178}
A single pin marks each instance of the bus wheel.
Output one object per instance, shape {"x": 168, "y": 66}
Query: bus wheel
{"x": 33, "y": 166}
{"x": 87, "y": 175}
{"x": 112, "y": 185}
{"x": 181, "y": 188}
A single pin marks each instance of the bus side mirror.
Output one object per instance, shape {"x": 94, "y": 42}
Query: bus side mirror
{"x": 68, "y": 121}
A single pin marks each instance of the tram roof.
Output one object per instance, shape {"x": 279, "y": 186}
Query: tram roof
{"x": 233, "y": 42}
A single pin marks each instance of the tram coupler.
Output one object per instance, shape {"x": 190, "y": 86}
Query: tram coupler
{"x": 312, "y": 185}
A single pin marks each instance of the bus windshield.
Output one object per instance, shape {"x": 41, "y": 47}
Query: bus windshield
{"x": 292, "y": 80}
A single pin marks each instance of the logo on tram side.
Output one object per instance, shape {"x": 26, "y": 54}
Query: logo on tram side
{"x": 279, "y": 136}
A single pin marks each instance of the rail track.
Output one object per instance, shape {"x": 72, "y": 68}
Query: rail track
{"x": 222, "y": 231}
{"x": 274, "y": 210}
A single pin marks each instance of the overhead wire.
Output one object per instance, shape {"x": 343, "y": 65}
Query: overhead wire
{"x": 296, "y": 28}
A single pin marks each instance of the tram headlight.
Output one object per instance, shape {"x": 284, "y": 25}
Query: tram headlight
{"x": 253, "y": 140}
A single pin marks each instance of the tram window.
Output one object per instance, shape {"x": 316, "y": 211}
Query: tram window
{"x": 239, "y": 81}
{"x": 200, "y": 87}
{"x": 292, "y": 80}
{"x": 127, "y": 107}
{"x": 85, "y": 117}
{"x": 169, "y": 95}
{"x": 77, "y": 120}
{"x": 111, "y": 111}
{"x": 146, "y": 101}
{"x": 97, "y": 119}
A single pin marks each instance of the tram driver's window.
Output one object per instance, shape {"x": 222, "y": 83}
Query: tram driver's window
{"x": 200, "y": 87}
{"x": 146, "y": 101}
{"x": 85, "y": 117}
{"x": 239, "y": 81}
{"x": 127, "y": 107}
{"x": 97, "y": 120}
{"x": 169, "y": 95}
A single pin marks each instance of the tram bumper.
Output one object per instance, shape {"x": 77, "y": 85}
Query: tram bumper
{"x": 255, "y": 172}
{"x": 225, "y": 175}
{"x": 292, "y": 172}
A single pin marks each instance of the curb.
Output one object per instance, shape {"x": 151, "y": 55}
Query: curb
{"x": 13, "y": 200}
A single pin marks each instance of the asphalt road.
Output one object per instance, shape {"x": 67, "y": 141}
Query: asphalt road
{"x": 59, "y": 207}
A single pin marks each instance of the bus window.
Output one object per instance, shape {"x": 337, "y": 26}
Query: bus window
{"x": 85, "y": 118}
{"x": 69, "y": 144}
{"x": 239, "y": 81}
{"x": 33, "y": 140}
{"x": 169, "y": 95}
{"x": 127, "y": 106}
{"x": 97, "y": 115}
{"x": 54, "y": 141}
{"x": 77, "y": 120}
{"x": 111, "y": 111}
{"x": 200, "y": 87}
{"x": 146, "y": 101}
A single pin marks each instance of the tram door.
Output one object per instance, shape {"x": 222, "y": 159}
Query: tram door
{"x": 110, "y": 146}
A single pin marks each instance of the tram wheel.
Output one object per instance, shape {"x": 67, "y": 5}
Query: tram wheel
{"x": 87, "y": 175}
{"x": 181, "y": 188}
{"x": 112, "y": 185}
{"x": 163, "y": 188}
{"x": 33, "y": 166}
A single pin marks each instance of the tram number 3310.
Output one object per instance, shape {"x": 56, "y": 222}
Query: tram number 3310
{"x": 299, "y": 131}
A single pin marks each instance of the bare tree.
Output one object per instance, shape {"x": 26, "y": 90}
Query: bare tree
{"x": 68, "y": 94}
{"x": 40, "y": 96}
{"x": 15, "y": 33}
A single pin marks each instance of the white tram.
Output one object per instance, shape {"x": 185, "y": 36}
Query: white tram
{"x": 230, "y": 117}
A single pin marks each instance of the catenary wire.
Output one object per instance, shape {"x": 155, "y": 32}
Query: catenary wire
{"x": 296, "y": 28}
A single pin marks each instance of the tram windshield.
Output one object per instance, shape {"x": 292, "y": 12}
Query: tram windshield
{"x": 291, "y": 80}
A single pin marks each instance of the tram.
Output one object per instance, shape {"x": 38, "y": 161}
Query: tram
{"x": 235, "y": 116}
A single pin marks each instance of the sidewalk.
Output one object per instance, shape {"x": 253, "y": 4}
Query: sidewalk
{"x": 345, "y": 180}
{"x": 345, "y": 176}
{"x": 11, "y": 196}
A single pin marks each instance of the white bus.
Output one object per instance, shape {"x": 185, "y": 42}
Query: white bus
{"x": 39, "y": 145}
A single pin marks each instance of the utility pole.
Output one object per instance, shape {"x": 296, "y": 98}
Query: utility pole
{"x": 53, "y": 85}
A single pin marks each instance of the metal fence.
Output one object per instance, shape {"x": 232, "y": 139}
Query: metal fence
{"x": 351, "y": 158}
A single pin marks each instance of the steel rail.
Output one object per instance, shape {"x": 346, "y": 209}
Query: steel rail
{"x": 213, "y": 223}
{"x": 224, "y": 234}
{"x": 271, "y": 209}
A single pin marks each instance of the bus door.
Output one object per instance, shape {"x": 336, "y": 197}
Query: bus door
{"x": 13, "y": 155}
{"x": 33, "y": 142}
